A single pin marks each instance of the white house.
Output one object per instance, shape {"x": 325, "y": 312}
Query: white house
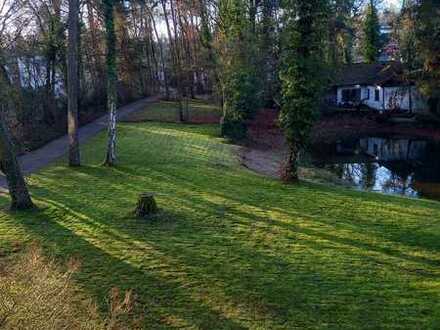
{"x": 379, "y": 86}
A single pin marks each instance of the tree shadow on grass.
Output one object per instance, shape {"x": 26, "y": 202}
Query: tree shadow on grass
{"x": 269, "y": 270}
{"x": 269, "y": 284}
{"x": 165, "y": 302}
{"x": 175, "y": 189}
{"x": 179, "y": 188}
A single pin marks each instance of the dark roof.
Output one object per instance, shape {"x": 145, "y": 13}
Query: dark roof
{"x": 390, "y": 73}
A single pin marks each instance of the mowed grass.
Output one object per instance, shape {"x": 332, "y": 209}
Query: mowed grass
{"x": 232, "y": 249}
{"x": 195, "y": 111}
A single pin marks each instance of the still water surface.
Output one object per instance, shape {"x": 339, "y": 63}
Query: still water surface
{"x": 393, "y": 165}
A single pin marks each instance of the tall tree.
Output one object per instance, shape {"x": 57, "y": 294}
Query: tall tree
{"x": 406, "y": 33}
{"x": 112, "y": 79}
{"x": 301, "y": 75}
{"x": 371, "y": 34}
{"x": 240, "y": 90}
{"x": 73, "y": 83}
{"x": 20, "y": 198}
{"x": 176, "y": 52}
{"x": 268, "y": 51}
{"x": 427, "y": 21}
{"x": 342, "y": 16}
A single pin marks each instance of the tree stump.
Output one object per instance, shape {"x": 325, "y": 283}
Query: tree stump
{"x": 146, "y": 205}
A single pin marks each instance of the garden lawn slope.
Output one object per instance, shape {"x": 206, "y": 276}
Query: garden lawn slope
{"x": 232, "y": 249}
{"x": 194, "y": 112}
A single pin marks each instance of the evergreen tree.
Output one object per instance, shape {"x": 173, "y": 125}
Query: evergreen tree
{"x": 341, "y": 32}
{"x": 239, "y": 79}
{"x": 427, "y": 22}
{"x": 407, "y": 37}
{"x": 302, "y": 75}
{"x": 371, "y": 37}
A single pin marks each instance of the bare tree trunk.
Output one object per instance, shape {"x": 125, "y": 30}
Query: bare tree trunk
{"x": 162, "y": 57}
{"x": 73, "y": 84}
{"x": 174, "y": 54}
{"x": 20, "y": 198}
{"x": 112, "y": 78}
{"x": 96, "y": 70}
{"x": 179, "y": 75}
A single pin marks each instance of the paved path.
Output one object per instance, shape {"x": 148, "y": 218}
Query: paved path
{"x": 37, "y": 159}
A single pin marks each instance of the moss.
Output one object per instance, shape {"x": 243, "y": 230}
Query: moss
{"x": 232, "y": 249}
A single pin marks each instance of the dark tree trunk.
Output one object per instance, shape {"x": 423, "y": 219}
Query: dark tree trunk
{"x": 20, "y": 198}
{"x": 73, "y": 83}
{"x": 290, "y": 169}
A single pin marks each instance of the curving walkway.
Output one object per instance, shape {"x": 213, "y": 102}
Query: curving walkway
{"x": 37, "y": 159}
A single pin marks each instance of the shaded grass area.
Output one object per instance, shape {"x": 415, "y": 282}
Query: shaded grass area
{"x": 231, "y": 249}
{"x": 195, "y": 111}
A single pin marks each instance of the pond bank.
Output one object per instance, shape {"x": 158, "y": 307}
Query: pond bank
{"x": 357, "y": 150}
{"x": 265, "y": 151}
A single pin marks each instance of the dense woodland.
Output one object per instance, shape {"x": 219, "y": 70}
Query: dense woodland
{"x": 63, "y": 63}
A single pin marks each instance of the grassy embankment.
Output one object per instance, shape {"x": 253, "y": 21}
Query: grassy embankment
{"x": 232, "y": 249}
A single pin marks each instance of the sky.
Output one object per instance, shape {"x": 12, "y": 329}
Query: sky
{"x": 395, "y": 3}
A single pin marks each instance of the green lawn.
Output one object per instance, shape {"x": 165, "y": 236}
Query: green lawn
{"x": 195, "y": 111}
{"x": 231, "y": 249}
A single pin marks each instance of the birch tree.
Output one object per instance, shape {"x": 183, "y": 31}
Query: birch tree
{"x": 73, "y": 83}
{"x": 112, "y": 79}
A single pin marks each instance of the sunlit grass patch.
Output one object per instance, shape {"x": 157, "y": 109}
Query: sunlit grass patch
{"x": 232, "y": 249}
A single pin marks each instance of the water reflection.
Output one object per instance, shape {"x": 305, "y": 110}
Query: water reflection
{"x": 393, "y": 165}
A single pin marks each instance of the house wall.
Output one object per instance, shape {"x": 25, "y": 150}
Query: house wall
{"x": 400, "y": 94}
{"x": 371, "y": 102}
{"x": 368, "y": 99}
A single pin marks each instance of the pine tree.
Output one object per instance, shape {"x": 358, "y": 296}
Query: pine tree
{"x": 301, "y": 75}
{"x": 371, "y": 37}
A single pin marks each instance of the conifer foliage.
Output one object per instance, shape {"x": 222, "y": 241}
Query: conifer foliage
{"x": 301, "y": 75}
{"x": 371, "y": 30}
{"x": 241, "y": 94}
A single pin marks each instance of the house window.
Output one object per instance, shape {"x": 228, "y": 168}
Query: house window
{"x": 345, "y": 95}
{"x": 376, "y": 95}
{"x": 351, "y": 95}
{"x": 367, "y": 93}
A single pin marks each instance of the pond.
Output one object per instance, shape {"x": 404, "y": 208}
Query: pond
{"x": 391, "y": 164}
